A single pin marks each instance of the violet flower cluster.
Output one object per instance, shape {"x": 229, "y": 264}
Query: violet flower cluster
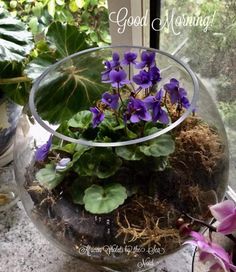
{"x": 138, "y": 98}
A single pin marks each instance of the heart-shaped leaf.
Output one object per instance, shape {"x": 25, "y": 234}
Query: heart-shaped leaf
{"x": 130, "y": 153}
{"x": 99, "y": 200}
{"x": 49, "y": 177}
{"x": 81, "y": 120}
{"x": 160, "y": 147}
{"x": 100, "y": 162}
{"x": 15, "y": 41}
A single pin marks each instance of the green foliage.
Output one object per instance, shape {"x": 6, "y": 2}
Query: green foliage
{"x": 49, "y": 177}
{"x": 57, "y": 22}
{"x": 129, "y": 153}
{"x": 228, "y": 112}
{"x": 15, "y": 41}
{"x": 162, "y": 146}
{"x": 100, "y": 200}
{"x": 81, "y": 120}
{"x": 65, "y": 39}
{"x": 77, "y": 89}
{"x": 100, "y": 162}
{"x": 89, "y": 16}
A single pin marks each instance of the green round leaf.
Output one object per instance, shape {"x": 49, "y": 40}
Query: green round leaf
{"x": 99, "y": 200}
{"x": 48, "y": 177}
{"x": 81, "y": 120}
{"x": 161, "y": 146}
{"x": 130, "y": 153}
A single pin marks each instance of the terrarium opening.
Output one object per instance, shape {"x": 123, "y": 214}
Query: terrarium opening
{"x": 114, "y": 96}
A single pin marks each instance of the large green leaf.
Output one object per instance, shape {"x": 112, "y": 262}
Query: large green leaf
{"x": 73, "y": 87}
{"x": 99, "y": 200}
{"x": 15, "y": 41}
{"x": 65, "y": 39}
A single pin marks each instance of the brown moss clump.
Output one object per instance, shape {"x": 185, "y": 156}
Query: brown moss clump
{"x": 198, "y": 146}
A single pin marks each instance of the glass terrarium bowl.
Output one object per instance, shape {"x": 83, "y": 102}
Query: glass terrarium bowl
{"x": 123, "y": 148}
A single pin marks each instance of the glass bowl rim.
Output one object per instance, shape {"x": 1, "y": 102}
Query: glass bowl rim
{"x": 121, "y": 143}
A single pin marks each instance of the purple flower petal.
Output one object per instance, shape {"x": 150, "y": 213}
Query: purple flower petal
{"x": 164, "y": 119}
{"x": 111, "y": 100}
{"x": 222, "y": 210}
{"x": 154, "y": 103}
{"x": 138, "y": 111}
{"x": 228, "y": 225}
{"x": 115, "y": 60}
{"x": 134, "y": 118}
{"x": 62, "y": 164}
{"x": 42, "y": 152}
{"x": 155, "y": 75}
{"x": 143, "y": 79}
{"x": 129, "y": 58}
{"x": 98, "y": 116}
{"x": 211, "y": 252}
{"x": 118, "y": 78}
{"x": 177, "y": 94}
{"x": 147, "y": 59}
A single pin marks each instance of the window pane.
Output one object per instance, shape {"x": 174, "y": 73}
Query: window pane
{"x": 203, "y": 33}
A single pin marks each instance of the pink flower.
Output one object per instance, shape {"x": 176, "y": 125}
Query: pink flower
{"x": 225, "y": 214}
{"x": 219, "y": 259}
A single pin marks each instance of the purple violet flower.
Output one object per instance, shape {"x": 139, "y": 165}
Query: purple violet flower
{"x": 143, "y": 79}
{"x": 115, "y": 60}
{"x": 155, "y": 75}
{"x": 98, "y": 116}
{"x": 147, "y": 59}
{"x": 177, "y": 94}
{"x": 138, "y": 111}
{"x": 105, "y": 74}
{"x": 129, "y": 58}
{"x": 111, "y": 100}
{"x": 225, "y": 214}
{"x": 154, "y": 103}
{"x": 211, "y": 252}
{"x": 62, "y": 164}
{"x": 117, "y": 78}
{"x": 42, "y": 152}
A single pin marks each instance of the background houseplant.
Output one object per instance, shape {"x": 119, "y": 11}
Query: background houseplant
{"x": 33, "y": 35}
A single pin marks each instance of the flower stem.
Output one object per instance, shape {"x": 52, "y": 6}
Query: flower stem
{"x": 14, "y": 80}
{"x": 209, "y": 226}
{"x": 165, "y": 104}
{"x": 118, "y": 91}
